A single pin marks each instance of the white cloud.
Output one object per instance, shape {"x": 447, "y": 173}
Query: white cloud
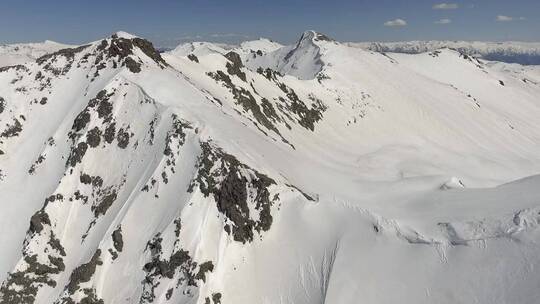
{"x": 503, "y": 18}
{"x": 443, "y": 21}
{"x": 445, "y": 6}
{"x": 396, "y": 22}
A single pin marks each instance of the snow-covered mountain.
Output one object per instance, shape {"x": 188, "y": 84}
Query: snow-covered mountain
{"x": 311, "y": 173}
{"x": 527, "y": 53}
{"x": 13, "y": 54}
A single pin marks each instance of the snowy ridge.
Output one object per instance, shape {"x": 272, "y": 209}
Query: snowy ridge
{"x": 198, "y": 48}
{"x": 13, "y": 54}
{"x": 257, "y": 46}
{"x": 310, "y": 173}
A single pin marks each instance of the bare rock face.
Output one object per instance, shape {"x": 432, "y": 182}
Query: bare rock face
{"x": 229, "y": 182}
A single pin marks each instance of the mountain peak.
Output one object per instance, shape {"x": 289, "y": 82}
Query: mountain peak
{"x": 304, "y": 59}
{"x": 120, "y": 49}
{"x": 199, "y": 49}
{"x": 314, "y": 36}
{"x": 261, "y": 44}
{"x": 122, "y": 34}
{"x": 123, "y": 45}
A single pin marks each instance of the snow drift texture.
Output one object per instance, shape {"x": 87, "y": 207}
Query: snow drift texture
{"x": 311, "y": 173}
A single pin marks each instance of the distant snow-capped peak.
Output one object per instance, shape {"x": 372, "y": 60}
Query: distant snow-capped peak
{"x": 512, "y": 52}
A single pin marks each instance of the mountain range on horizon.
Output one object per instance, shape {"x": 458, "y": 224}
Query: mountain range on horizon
{"x": 525, "y": 53}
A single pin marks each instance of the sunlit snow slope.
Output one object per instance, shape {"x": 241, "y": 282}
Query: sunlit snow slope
{"x": 311, "y": 173}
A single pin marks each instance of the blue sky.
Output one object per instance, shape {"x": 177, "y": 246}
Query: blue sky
{"x": 169, "y": 22}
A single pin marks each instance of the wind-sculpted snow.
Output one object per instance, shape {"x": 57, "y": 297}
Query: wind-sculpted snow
{"x": 311, "y": 173}
{"x": 448, "y": 234}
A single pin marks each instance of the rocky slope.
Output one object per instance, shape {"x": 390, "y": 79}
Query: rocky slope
{"x": 311, "y": 173}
